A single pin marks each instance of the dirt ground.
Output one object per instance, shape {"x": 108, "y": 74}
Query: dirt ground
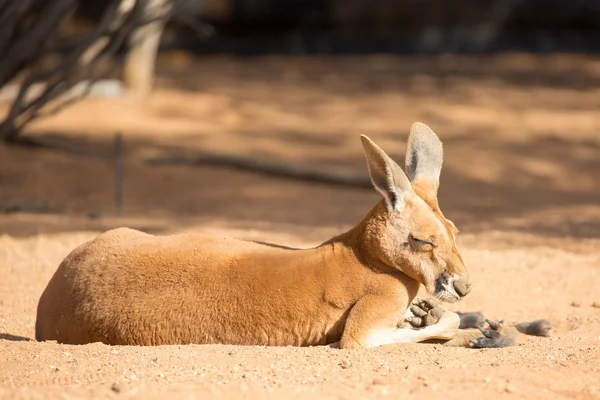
{"x": 521, "y": 180}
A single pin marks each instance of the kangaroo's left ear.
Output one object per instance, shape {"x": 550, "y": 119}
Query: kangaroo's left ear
{"x": 424, "y": 156}
{"x": 387, "y": 176}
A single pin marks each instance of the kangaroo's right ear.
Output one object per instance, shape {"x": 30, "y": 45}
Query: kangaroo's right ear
{"x": 424, "y": 156}
{"x": 387, "y": 176}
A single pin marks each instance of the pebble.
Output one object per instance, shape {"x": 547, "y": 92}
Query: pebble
{"x": 596, "y": 304}
{"x": 115, "y": 387}
{"x": 345, "y": 364}
{"x": 575, "y": 303}
{"x": 378, "y": 381}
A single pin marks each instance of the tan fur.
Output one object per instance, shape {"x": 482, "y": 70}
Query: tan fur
{"x": 126, "y": 287}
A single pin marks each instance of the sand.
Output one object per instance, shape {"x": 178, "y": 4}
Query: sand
{"x": 520, "y": 180}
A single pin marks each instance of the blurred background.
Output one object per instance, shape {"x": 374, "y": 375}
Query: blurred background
{"x": 243, "y": 118}
{"x": 246, "y": 114}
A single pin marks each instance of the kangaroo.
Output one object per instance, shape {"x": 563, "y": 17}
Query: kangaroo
{"x": 126, "y": 287}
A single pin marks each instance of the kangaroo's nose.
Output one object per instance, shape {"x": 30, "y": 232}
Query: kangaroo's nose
{"x": 462, "y": 287}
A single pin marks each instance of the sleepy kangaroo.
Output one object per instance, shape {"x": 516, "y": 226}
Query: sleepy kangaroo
{"x": 126, "y": 287}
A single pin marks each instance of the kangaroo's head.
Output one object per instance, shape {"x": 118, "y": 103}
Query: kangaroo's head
{"x": 408, "y": 230}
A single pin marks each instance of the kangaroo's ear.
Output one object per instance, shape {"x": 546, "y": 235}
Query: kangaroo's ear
{"x": 387, "y": 176}
{"x": 424, "y": 156}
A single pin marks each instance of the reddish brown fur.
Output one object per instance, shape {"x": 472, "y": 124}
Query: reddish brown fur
{"x": 129, "y": 288}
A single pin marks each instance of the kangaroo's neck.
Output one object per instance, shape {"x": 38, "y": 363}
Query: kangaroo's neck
{"x": 357, "y": 244}
{"x": 351, "y": 265}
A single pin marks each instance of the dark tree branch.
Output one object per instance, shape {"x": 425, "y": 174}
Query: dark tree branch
{"x": 29, "y": 32}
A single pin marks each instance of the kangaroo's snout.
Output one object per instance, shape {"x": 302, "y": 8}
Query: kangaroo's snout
{"x": 462, "y": 286}
{"x": 452, "y": 288}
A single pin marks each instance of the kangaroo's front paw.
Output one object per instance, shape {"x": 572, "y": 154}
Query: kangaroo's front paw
{"x": 424, "y": 313}
{"x": 498, "y": 335}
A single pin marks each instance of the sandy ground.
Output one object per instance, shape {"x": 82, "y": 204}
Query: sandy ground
{"x": 521, "y": 180}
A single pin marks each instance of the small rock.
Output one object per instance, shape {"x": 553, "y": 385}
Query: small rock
{"x": 423, "y": 380}
{"x": 575, "y": 303}
{"x": 378, "y": 381}
{"x": 133, "y": 377}
{"x": 596, "y": 304}
{"x": 345, "y": 364}
{"x": 116, "y": 387}
{"x": 509, "y": 389}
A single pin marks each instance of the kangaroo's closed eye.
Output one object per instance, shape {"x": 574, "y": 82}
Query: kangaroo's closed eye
{"x": 421, "y": 243}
